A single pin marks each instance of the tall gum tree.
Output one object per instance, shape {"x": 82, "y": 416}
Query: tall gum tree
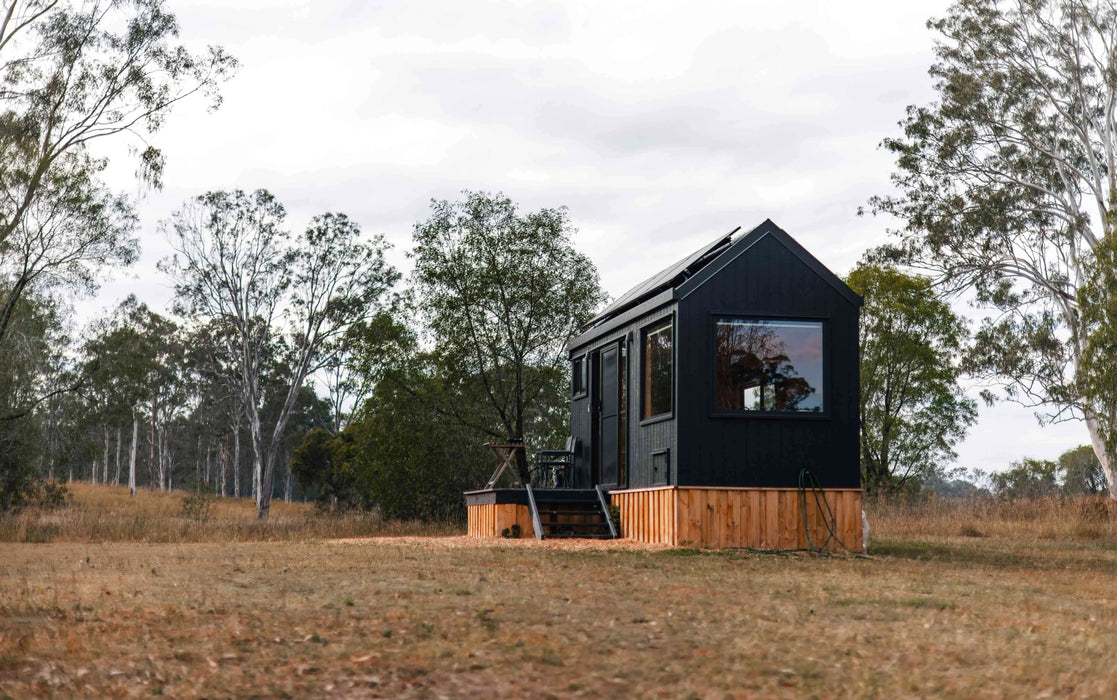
{"x": 73, "y": 72}
{"x": 237, "y": 265}
{"x": 1006, "y": 189}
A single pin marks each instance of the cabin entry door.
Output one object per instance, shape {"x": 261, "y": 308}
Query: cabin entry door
{"x": 612, "y": 428}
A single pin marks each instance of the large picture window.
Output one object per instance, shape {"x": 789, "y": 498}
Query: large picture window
{"x": 657, "y": 371}
{"x": 768, "y": 365}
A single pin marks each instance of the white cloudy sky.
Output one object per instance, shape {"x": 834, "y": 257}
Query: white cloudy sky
{"x": 659, "y": 124}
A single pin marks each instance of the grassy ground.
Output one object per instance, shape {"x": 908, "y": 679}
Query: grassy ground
{"x": 952, "y": 602}
{"x": 109, "y": 514}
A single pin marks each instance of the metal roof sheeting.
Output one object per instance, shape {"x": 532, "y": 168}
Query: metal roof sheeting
{"x": 667, "y": 278}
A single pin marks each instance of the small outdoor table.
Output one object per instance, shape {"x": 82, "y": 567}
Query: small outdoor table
{"x": 505, "y": 453}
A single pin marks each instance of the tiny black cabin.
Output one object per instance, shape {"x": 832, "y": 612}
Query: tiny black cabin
{"x": 701, "y": 395}
{"x": 735, "y": 367}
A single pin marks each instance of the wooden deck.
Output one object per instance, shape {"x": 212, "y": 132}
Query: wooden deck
{"x": 716, "y": 518}
{"x": 687, "y": 516}
{"x": 491, "y": 519}
{"x": 562, "y": 512}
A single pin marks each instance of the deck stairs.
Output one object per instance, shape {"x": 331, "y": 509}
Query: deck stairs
{"x": 570, "y": 514}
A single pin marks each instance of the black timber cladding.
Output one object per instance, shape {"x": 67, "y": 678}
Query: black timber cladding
{"x": 643, "y": 440}
{"x": 762, "y": 274}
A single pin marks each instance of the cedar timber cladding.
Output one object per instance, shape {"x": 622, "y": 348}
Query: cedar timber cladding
{"x": 720, "y": 458}
{"x": 736, "y": 517}
{"x": 492, "y": 519}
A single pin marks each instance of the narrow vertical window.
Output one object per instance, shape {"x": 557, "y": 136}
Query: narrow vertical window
{"x": 578, "y": 376}
{"x": 657, "y": 371}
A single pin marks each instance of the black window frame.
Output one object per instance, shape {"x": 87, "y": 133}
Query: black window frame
{"x": 657, "y": 326}
{"x": 579, "y": 376}
{"x": 827, "y": 398}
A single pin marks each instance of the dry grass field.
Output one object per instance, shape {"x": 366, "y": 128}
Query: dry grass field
{"x": 114, "y": 596}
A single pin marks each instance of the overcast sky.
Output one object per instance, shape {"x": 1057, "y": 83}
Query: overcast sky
{"x": 658, "y": 124}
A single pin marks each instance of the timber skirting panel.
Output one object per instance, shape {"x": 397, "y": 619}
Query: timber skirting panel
{"x": 715, "y": 518}
{"x": 491, "y": 519}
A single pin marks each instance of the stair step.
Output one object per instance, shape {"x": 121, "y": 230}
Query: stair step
{"x": 551, "y": 506}
{"x": 581, "y": 536}
{"x": 553, "y": 511}
{"x": 560, "y": 523}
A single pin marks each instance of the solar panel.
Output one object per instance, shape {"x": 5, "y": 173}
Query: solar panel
{"x": 666, "y": 278}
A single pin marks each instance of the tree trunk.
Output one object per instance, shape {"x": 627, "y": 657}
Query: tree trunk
{"x": 263, "y": 500}
{"x": 116, "y": 473}
{"x": 105, "y": 461}
{"x": 93, "y": 473}
{"x": 521, "y": 455}
{"x": 160, "y": 439}
{"x": 267, "y": 482}
{"x": 151, "y": 467}
{"x": 224, "y": 456}
{"x": 165, "y": 462}
{"x": 236, "y": 460}
{"x": 287, "y": 481}
{"x": 1107, "y": 461}
{"x": 132, "y": 457}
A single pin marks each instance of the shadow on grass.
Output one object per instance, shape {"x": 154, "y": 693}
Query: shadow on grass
{"x": 1016, "y": 555}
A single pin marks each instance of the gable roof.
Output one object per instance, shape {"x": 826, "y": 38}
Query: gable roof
{"x": 694, "y": 270}
{"x": 748, "y": 240}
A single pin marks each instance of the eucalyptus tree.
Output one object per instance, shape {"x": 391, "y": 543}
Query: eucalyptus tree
{"x": 235, "y": 262}
{"x": 1006, "y": 188}
{"x": 72, "y": 73}
{"x": 501, "y": 293}
{"x": 135, "y": 362}
{"x": 220, "y": 405}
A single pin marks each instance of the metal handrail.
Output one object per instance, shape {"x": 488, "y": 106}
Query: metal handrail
{"x": 605, "y": 511}
{"x": 536, "y": 524}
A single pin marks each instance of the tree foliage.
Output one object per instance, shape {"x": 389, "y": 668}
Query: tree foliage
{"x": 501, "y": 292}
{"x": 403, "y": 454}
{"x": 913, "y": 410}
{"x": 1028, "y": 478}
{"x": 73, "y": 72}
{"x": 327, "y": 463}
{"x": 1006, "y": 186}
{"x": 1081, "y": 472}
{"x": 25, "y": 360}
{"x": 236, "y": 264}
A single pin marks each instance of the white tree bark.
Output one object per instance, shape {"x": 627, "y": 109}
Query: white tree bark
{"x": 224, "y": 467}
{"x": 160, "y": 440}
{"x": 132, "y": 455}
{"x": 236, "y": 459}
{"x": 105, "y": 462}
{"x": 116, "y": 471}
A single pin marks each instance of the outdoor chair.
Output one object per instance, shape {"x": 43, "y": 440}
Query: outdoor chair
{"x": 555, "y": 467}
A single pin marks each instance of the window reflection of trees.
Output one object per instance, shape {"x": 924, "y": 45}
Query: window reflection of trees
{"x": 657, "y": 372}
{"x": 754, "y": 372}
